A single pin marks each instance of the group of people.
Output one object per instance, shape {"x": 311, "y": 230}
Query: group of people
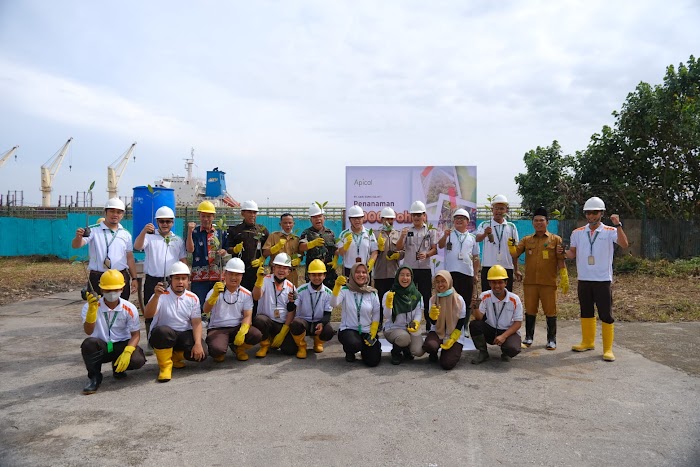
{"x": 387, "y": 286}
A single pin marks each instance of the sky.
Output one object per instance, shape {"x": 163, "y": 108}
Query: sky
{"x": 283, "y": 95}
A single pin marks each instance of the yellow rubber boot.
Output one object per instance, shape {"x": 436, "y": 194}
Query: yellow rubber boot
{"x": 318, "y": 344}
{"x": 301, "y": 344}
{"x": 165, "y": 363}
{"x": 608, "y": 337}
{"x": 241, "y": 353}
{"x": 219, "y": 358}
{"x": 178, "y": 359}
{"x": 264, "y": 347}
{"x": 588, "y": 335}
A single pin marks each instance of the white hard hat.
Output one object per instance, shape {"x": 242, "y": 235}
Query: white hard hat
{"x": 249, "y": 205}
{"x": 461, "y": 212}
{"x": 499, "y": 199}
{"x": 235, "y": 265}
{"x": 179, "y": 268}
{"x": 165, "y": 212}
{"x": 417, "y": 207}
{"x": 355, "y": 211}
{"x": 283, "y": 259}
{"x": 594, "y": 204}
{"x": 388, "y": 213}
{"x": 315, "y": 210}
{"x": 115, "y": 203}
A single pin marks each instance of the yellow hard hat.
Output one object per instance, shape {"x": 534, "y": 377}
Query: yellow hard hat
{"x": 206, "y": 206}
{"x": 111, "y": 280}
{"x": 497, "y": 272}
{"x": 317, "y": 266}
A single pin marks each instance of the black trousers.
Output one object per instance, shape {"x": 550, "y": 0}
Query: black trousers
{"x": 92, "y": 345}
{"x": 165, "y": 337}
{"x": 353, "y": 342}
{"x": 382, "y": 286}
{"x": 423, "y": 278}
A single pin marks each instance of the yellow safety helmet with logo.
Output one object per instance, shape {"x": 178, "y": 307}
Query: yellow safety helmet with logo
{"x": 497, "y": 272}
{"x": 206, "y": 206}
{"x": 317, "y": 266}
{"x": 111, "y": 280}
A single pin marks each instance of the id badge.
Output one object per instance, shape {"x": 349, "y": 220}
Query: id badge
{"x": 108, "y": 263}
{"x": 277, "y": 313}
{"x": 448, "y": 247}
{"x": 110, "y": 347}
{"x": 358, "y": 260}
{"x": 591, "y": 260}
{"x": 545, "y": 254}
{"x": 498, "y": 257}
{"x": 258, "y": 246}
{"x": 460, "y": 256}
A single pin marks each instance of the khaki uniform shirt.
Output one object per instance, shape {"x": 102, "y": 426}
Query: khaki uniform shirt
{"x": 385, "y": 268}
{"x": 541, "y": 258}
{"x": 291, "y": 248}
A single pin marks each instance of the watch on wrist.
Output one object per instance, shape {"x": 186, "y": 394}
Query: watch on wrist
{"x": 619, "y": 224}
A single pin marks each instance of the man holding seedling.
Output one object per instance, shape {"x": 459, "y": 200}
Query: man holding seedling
{"x": 114, "y": 329}
{"x": 246, "y": 239}
{"x": 318, "y": 242}
{"x": 388, "y": 256}
{"x": 282, "y": 241}
{"x": 109, "y": 247}
{"x": 497, "y": 235}
{"x": 357, "y": 244}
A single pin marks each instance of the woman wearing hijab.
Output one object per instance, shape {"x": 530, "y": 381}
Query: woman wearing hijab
{"x": 359, "y": 319}
{"x": 405, "y": 304}
{"x": 448, "y": 310}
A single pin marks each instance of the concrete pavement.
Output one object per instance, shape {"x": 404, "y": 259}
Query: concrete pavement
{"x": 543, "y": 408}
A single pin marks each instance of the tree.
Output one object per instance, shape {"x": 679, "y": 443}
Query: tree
{"x": 549, "y": 180}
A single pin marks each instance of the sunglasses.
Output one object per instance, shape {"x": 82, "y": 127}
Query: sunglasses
{"x": 165, "y": 221}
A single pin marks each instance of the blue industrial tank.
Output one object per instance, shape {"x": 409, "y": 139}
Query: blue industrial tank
{"x": 216, "y": 183}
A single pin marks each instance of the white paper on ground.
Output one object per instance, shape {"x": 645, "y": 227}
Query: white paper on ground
{"x": 464, "y": 340}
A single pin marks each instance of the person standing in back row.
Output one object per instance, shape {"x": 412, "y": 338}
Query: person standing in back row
{"x": 593, "y": 246}
{"x": 388, "y": 257}
{"x": 318, "y": 242}
{"x": 283, "y": 241}
{"x": 419, "y": 244}
{"x": 245, "y": 240}
{"x": 357, "y": 244}
{"x": 498, "y": 235}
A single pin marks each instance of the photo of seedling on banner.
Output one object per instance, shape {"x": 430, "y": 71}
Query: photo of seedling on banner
{"x": 86, "y": 231}
{"x": 83, "y": 292}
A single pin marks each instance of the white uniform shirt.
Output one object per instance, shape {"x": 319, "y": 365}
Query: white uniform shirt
{"x": 402, "y": 319}
{"x": 497, "y": 252}
{"x": 464, "y": 248}
{"x": 160, "y": 256}
{"x": 602, "y": 251}
{"x": 176, "y": 312}
{"x": 362, "y": 246}
{"x": 124, "y": 320}
{"x": 418, "y": 240}
{"x": 312, "y": 304}
{"x": 501, "y": 314}
{"x": 102, "y": 240}
{"x": 364, "y": 306}
{"x": 273, "y": 302}
{"x": 462, "y": 310}
{"x": 229, "y": 308}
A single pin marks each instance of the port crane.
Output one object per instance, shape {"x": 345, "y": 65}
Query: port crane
{"x": 48, "y": 172}
{"x": 6, "y": 157}
{"x": 115, "y": 171}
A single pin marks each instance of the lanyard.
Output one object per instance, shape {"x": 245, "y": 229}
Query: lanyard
{"x": 109, "y": 325}
{"x": 461, "y": 238}
{"x": 277, "y": 295}
{"x": 498, "y": 316}
{"x": 358, "y": 305}
{"x": 223, "y": 295}
{"x": 592, "y": 241}
{"x": 499, "y": 237}
{"x": 114, "y": 235}
{"x": 358, "y": 240}
{"x": 313, "y": 304}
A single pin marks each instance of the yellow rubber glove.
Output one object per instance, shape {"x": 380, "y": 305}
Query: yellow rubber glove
{"x": 381, "y": 241}
{"x": 512, "y": 248}
{"x": 339, "y": 283}
{"x": 256, "y": 263}
{"x": 296, "y": 262}
{"x": 278, "y": 246}
{"x": 123, "y": 360}
{"x": 348, "y": 242}
{"x": 370, "y": 265}
{"x": 333, "y": 264}
{"x": 394, "y": 256}
{"x": 434, "y": 312}
{"x": 315, "y": 243}
{"x": 390, "y": 299}
{"x": 238, "y": 248}
{"x": 413, "y": 326}
{"x": 261, "y": 277}
{"x": 279, "y": 338}
{"x": 564, "y": 280}
{"x": 373, "y": 328}
{"x": 240, "y": 335}
{"x": 454, "y": 337}
{"x": 215, "y": 291}
{"x": 93, "y": 303}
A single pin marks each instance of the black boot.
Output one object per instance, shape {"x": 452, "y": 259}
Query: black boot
{"x": 551, "y": 332}
{"x": 396, "y": 356}
{"x": 407, "y": 355}
{"x": 529, "y": 330}
{"x": 480, "y": 344}
{"x": 93, "y": 363}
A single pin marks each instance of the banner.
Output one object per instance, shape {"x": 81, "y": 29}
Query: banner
{"x": 442, "y": 189}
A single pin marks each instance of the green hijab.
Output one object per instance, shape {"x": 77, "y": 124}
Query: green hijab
{"x": 406, "y": 298}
